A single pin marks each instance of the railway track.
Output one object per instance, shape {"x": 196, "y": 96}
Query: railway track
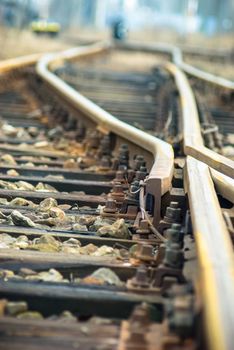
{"x": 216, "y": 62}
{"x": 98, "y": 249}
{"x": 214, "y": 96}
{"x": 212, "y": 107}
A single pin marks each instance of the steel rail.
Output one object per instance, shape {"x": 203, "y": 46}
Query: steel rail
{"x": 164, "y": 48}
{"x": 78, "y": 52}
{"x": 216, "y": 53}
{"x": 215, "y": 255}
{"x": 19, "y": 62}
{"x": 202, "y": 75}
{"x": 159, "y": 179}
{"x": 224, "y": 185}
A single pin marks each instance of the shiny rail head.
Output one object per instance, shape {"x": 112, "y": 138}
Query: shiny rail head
{"x": 19, "y": 62}
{"x": 163, "y": 48}
{"x": 205, "y": 76}
{"x": 57, "y": 59}
{"x": 215, "y": 254}
{"x": 224, "y": 185}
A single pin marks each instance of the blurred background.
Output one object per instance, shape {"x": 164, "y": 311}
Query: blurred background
{"x": 28, "y": 26}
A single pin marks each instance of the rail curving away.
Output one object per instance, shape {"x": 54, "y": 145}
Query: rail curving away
{"x": 159, "y": 180}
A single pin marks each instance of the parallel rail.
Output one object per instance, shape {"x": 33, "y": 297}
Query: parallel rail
{"x": 215, "y": 255}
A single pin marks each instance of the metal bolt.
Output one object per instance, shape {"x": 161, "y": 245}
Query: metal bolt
{"x": 180, "y": 310}
{"x": 104, "y": 148}
{"x": 175, "y": 235}
{"x": 173, "y": 213}
{"x": 141, "y": 278}
{"x": 174, "y": 256}
{"x": 143, "y": 229}
{"x": 110, "y": 206}
{"x": 139, "y": 161}
{"x": 117, "y": 192}
{"x": 119, "y": 177}
{"x": 117, "y": 188}
{"x": 123, "y": 155}
{"x": 145, "y": 250}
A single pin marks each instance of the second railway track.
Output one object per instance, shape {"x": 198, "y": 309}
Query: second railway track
{"x": 107, "y": 240}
